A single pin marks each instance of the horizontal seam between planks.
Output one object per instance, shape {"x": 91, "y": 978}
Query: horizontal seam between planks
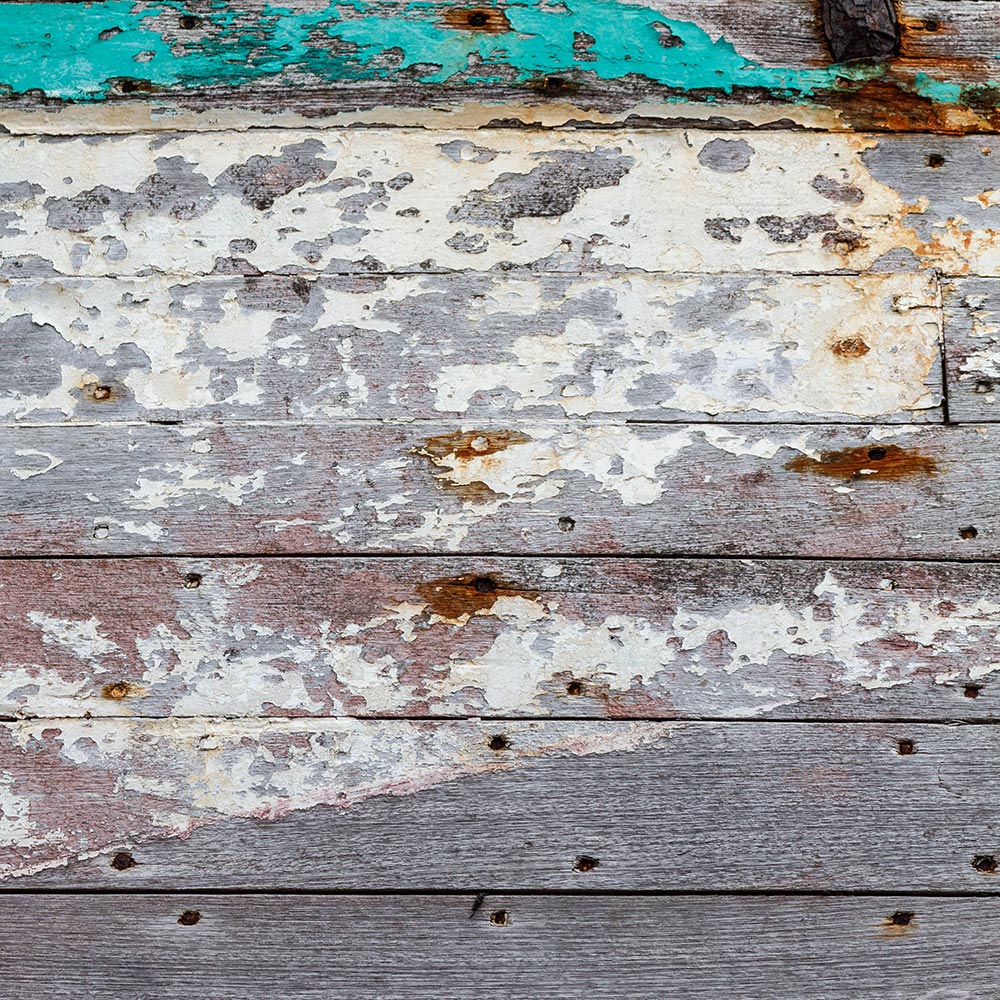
{"x": 476, "y": 890}
{"x": 540, "y": 719}
{"x": 457, "y": 557}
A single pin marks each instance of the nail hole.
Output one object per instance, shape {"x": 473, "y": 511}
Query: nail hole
{"x": 901, "y": 918}
{"x": 967, "y": 533}
{"x": 117, "y": 691}
{"x": 585, "y": 863}
{"x": 100, "y": 393}
{"x": 574, "y": 688}
{"x": 499, "y": 742}
{"x": 876, "y": 454}
{"x": 929, "y": 24}
{"x": 192, "y": 581}
{"x": 122, "y": 861}
{"x": 478, "y": 18}
{"x": 983, "y": 387}
{"x": 500, "y": 918}
{"x": 554, "y": 83}
{"x": 985, "y": 863}
{"x": 189, "y": 918}
{"x": 188, "y": 22}
{"x": 484, "y": 585}
{"x": 935, "y": 160}
{"x": 972, "y": 690}
{"x": 101, "y": 531}
{"x": 128, "y": 86}
{"x": 906, "y": 747}
{"x": 566, "y": 524}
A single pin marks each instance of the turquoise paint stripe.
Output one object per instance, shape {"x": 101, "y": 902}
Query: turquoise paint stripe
{"x": 74, "y": 51}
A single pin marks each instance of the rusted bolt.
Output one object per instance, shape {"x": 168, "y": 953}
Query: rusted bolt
{"x": 574, "y": 688}
{"x": 935, "y": 160}
{"x": 500, "y": 918}
{"x": 116, "y": 691}
{"x": 566, "y": 524}
{"x": 188, "y": 22}
{"x": 100, "y": 393}
{"x": 192, "y": 581}
{"x": 876, "y": 454}
{"x": 122, "y": 861}
{"x": 585, "y": 863}
{"x": 901, "y": 918}
{"x": 484, "y": 585}
{"x": 189, "y": 918}
{"x": 906, "y": 747}
{"x": 499, "y": 743}
{"x": 985, "y": 863}
{"x": 972, "y": 690}
{"x": 968, "y": 532}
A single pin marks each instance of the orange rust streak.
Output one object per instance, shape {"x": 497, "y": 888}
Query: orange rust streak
{"x": 850, "y": 347}
{"x": 874, "y": 462}
{"x": 466, "y": 446}
{"x": 457, "y": 597}
{"x": 488, "y": 20}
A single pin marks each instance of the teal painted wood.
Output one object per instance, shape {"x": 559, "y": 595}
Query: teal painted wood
{"x": 703, "y": 50}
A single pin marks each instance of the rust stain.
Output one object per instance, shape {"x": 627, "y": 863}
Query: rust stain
{"x": 119, "y": 690}
{"x": 454, "y": 598}
{"x": 872, "y": 462}
{"x": 99, "y": 392}
{"x": 850, "y": 347}
{"x": 457, "y": 449}
{"x": 899, "y": 924}
{"x": 489, "y": 20}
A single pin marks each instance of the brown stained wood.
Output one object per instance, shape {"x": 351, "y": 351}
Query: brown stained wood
{"x": 480, "y": 345}
{"x": 687, "y": 947}
{"x": 685, "y": 489}
{"x": 430, "y": 637}
{"x": 346, "y": 804}
{"x": 366, "y": 202}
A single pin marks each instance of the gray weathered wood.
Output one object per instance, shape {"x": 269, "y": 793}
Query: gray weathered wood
{"x": 499, "y": 637}
{"x": 520, "y": 947}
{"x": 827, "y": 491}
{"x": 479, "y": 345}
{"x": 972, "y": 309}
{"x": 371, "y": 201}
{"x": 304, "y": 804}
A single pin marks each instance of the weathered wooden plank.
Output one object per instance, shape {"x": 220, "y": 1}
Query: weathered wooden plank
{"x": 973, "y": 352}
{"x": 605, "y": 55}
{"x": 348, "y": 804}
{"x": 371, "y": 201}
{"x": 499, "y": 637}
{"x": 525, "y": 947}
{"x": 687, "y": 489}
{"x": 479, "y": 345}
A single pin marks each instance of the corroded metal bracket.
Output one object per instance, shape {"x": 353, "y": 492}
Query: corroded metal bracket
{"x": 861, "y": 29}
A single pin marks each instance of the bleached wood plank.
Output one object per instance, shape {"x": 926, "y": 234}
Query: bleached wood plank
{"x": 525, "y": 947}
{"x": 347, "y": 804}
{"x": 686, "y": 489}
{"x": 477, "y": 345}
{"x": 499, "y": 637}
{"x": 371, "y": 201}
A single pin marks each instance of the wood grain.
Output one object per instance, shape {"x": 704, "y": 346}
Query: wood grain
{"x": 604, "y": 60}
{"x": 484, "y": 346}
{"x": 286, "y": 804}
{"x": 375, "y": 201}
{"x": 686, "y": 489}
{"x": 973, "y": 353}
{"x": 687, "y": 947}
{"x": 421, "y": 637}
